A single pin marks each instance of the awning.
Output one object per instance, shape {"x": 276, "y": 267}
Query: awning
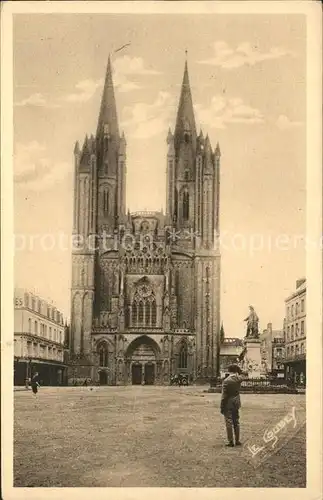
{"x": 59, "y": 364}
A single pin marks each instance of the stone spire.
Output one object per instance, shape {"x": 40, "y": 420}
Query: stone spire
{"x": 185, "y": 122}
{"x": 108, "y": 119}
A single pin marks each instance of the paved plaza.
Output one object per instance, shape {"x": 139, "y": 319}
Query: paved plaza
{"x": 147, "y": 436}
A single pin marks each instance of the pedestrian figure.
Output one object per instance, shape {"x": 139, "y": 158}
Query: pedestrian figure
{"x": 85, "y": 383}
{"x": 35, "y": 383}
{"x": 230, "y": 403}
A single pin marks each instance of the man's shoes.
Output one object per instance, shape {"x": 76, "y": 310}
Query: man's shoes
{"x": 238, "y": 443}
{"x": 230, "y": 445}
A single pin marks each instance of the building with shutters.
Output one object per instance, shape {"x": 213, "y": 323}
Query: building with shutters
{"x": 38, "y": 340}
{"x": 145, "y": 297}
{"x": 295, "y": 334}
{"x": 272, "y": 350}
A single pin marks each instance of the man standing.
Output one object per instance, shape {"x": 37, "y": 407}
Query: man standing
{"x": 230, "y": 403}
{"x": 35, "y": 383}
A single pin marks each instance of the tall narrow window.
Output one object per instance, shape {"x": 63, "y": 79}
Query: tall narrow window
{"x": 185, "y": 205}
{"x": 36, "y": 327}
{"x": 148, "y": 312}
{"x": 134, "y": 314}
{"x": 106, "y": 201}
{"x": 103, "y": 354}
{"x": 29, "y": 325}
{"x": 140, "y": 313}
{"x": 176, "y": 204}
{"x": 183, "y": 356}
{"x": 153, "y": 313}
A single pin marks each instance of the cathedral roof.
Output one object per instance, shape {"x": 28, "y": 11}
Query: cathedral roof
{"x": 108, "y": 118}
{"x": 147, "y": 214}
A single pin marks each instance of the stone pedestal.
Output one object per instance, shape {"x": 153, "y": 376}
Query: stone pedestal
{"x": 252, "y": 358}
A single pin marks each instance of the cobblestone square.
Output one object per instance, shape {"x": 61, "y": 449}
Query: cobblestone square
{"x": 147, "y": 436}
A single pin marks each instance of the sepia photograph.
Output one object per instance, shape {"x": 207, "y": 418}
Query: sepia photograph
{"x": 163, "y": 304}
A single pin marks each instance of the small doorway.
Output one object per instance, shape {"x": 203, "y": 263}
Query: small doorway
{"x": 136, "y": 374}
{"x": 103, "y": 378}
{"x": 149, "y": 374}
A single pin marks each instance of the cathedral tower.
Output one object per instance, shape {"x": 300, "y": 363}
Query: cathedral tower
{"x": 193, "y": 199}
{"x": 99, "y": 206}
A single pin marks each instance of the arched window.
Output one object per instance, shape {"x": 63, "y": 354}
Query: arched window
{"x": 106, "y": 201}
{"x": 103, "y": 355}
{"x": 36, "y": 327}
{"x": 29, "y": 325}
{"x": 140, "y": 313}
{"x": 153, "y": 313}
{"x": 183, "y": 356}
{"x": 185, "y": 205}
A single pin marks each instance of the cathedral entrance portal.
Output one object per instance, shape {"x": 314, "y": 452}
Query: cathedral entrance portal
{"x": 143, "y": 353}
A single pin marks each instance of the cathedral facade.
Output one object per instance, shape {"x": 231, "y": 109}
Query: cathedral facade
{"x": 145, "y": 294}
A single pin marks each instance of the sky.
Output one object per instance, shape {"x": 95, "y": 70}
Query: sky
{"x": 247, "y": 75}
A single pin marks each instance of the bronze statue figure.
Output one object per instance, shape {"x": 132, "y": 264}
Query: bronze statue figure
{"x": 252, "y": 324}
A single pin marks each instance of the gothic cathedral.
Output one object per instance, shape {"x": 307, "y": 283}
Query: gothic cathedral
{"x": 145, "y": 301}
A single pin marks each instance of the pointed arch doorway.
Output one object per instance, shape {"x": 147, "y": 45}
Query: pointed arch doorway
{"x": 143, "y": 354}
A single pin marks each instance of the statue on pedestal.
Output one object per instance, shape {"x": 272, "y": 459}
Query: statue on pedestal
{"x": 252, "y": 324}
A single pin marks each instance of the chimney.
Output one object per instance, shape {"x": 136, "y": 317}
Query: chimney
{"x": 300, "y": 282}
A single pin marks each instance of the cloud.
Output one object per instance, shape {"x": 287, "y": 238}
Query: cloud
{"x": 123, "y": 67}
{"x": 244, "y": 54}
{"x": 37, "y": 100}
{"x": 284, "y": 123}
{"x": 132, "y": 66}
{"x": 33, "y": 169}
{"x": 223, "y": 111}
{"x": 85, "y": 91}
{"x": 146, "y": 120}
